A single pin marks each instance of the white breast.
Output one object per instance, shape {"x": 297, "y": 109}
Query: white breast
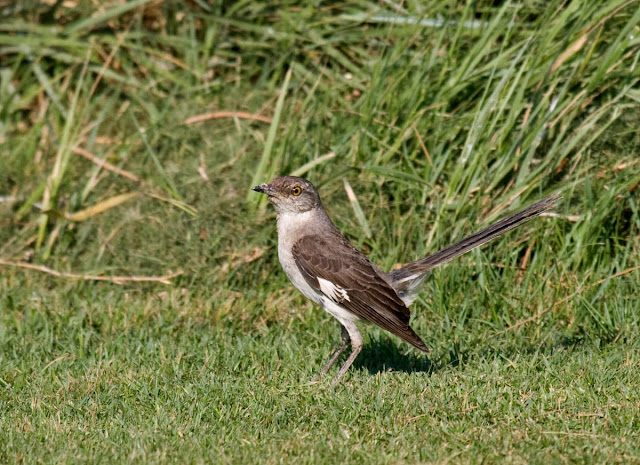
{"x": 290, "y": 227}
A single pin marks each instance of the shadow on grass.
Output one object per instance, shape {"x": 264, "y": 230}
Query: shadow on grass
{"x": 386, "y": 355}
{"x": 381, "y": 355}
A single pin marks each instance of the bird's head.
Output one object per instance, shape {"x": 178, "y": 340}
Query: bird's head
{"x": 290, "y": 194}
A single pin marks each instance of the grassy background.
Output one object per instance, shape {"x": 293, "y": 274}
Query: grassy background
{"x": 442, "y": 116}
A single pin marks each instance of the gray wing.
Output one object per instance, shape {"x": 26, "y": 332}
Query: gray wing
{"x": 348, "y": 278}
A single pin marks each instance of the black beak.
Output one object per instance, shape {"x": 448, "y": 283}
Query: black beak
{"x": 263, "y": 189}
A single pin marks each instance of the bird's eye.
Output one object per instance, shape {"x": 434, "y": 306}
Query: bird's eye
{"x": 296, "y": 190}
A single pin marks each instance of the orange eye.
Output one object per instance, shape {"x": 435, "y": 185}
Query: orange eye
{"x": 296, "y": 190}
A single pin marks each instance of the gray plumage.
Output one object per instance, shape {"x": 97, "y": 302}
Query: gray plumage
{"x": 329, "y": 271}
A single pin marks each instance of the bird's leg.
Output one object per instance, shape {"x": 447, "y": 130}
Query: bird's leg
{"x": 338, "y": 351}
{"x": 356, "y": 344}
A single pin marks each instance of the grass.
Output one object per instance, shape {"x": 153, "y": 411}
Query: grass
{"x": 438, "y": 128}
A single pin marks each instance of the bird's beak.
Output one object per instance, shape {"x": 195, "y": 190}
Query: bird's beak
{"x": 264, "y": 189}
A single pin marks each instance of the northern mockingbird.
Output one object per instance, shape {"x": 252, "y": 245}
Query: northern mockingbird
{"x": 331, "y": 272}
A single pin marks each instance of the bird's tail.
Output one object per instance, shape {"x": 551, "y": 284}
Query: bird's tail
{"x": 407, "y": 280}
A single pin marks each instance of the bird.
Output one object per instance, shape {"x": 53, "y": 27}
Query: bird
{"x": 328, "y": 270}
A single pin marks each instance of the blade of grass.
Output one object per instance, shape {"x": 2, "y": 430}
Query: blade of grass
{"x": 118, "y": 10}
{"x": 168, "y": 185}
{"x": 252, "y": 199}
{"x": 60, "y": 166}
{"x": 100, "y": 207}
{"x": 360, "y": 216}
{"x": 312, "y": 164}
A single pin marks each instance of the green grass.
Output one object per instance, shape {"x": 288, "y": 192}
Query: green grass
{"x": 439, "y": 130}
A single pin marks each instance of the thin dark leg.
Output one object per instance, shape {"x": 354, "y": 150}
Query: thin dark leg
{"x": 347, "y": 364}
{"x": 356, "y": 344}
{"x": 334, "y": 357}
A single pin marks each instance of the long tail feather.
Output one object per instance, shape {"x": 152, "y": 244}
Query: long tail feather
{"x": 408, "y": 277}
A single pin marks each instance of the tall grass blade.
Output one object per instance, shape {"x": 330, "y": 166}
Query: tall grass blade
{"x": 266, "y": 158}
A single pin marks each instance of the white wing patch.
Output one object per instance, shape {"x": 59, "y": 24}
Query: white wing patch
{"x": 409, "y": 278}
{"x": 334, "y": 292}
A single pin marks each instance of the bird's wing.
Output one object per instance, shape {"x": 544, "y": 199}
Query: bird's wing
{"x": 348, "y": 278}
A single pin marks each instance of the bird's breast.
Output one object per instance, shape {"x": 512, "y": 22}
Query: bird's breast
{"x": 290, "y": 228}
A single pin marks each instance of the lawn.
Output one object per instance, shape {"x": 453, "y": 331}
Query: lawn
{"x": 144, "y": 316}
